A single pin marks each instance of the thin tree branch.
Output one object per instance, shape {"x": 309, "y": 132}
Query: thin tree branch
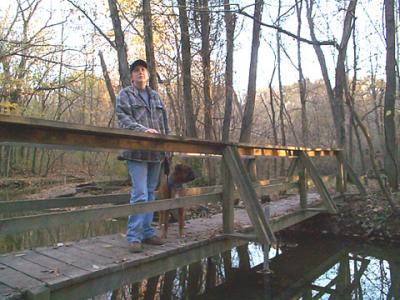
{"x": 112, "y": 43}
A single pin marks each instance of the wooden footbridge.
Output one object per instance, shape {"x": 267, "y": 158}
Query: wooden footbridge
{"x": 79, "y": 270}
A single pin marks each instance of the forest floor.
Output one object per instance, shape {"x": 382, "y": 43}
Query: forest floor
{"x": 368, "y": 219}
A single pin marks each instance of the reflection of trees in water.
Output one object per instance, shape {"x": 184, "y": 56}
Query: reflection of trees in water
{"x": 61, "y": 234}
{"x": 349, "y": 275}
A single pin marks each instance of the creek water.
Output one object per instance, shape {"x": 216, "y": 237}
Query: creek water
{"x": 322, "y": 268}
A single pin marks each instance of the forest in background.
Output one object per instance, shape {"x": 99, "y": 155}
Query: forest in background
{"x": 66, "y": 60}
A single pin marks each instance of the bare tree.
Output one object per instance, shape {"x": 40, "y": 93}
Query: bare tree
{"x": 119, "y": 42}
{"x": 149, "y": 44}
{"x": 230, "y": 21}
{"x": 120, "y": 45}
{"x": 247, "y": 121}
{"x": 302, "y": 81}
{"x": 281, "y": 94}
{"x": 186, "y": 70}
{"x": 390, "y": 97}
{"x": 335, "y": 95}
{"x": 205, "y": 56}
{"x": 107, "y": 79}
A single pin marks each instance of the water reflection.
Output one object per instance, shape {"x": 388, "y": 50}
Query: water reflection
{"x": 60, "y": 234}
{"x": 309, "y": 269}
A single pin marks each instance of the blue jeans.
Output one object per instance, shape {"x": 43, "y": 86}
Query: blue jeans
{"x": 144, "y": 177}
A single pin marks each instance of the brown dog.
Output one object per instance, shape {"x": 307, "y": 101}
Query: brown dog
{"x": 171, "y": 187}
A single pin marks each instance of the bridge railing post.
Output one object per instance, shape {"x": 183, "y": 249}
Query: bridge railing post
{"x": 303, "y": 187}
{"x": 251, "y": 168}
{"x": 227, "y": 199}
{"x": 341, "y": 178}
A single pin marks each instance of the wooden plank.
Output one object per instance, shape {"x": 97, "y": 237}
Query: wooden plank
{"x": 54, "y": 265}
{"x": 353, "y": 176}
{"x": 319, "y": 184}
{"x": 248, "y": 195}
{"x": 7, "y": 293}
{"x": 263, "y": 187}
{"x": 16, "y": 279}
{"x": 280, "y": 151}
{"x": 274, "y": 188}
{"x": 303, "y": 187}
{"x": 35, "y": 205}
{"x": 242, "y": 236}
{"x": 20, "y": 224}
{"x": 227, "y": 199}
{"x": 98, "y": 247}
{"x": 284, "y": 221}
{"x": 129, "y": 273}
{"x": 83, "y": 137}
{"x": 39, "y": 293}
{"x": 78, "y": 258}
{"x": 31, "y": 269}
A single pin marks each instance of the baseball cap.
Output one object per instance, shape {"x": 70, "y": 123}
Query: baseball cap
{"x": 138, "y": 62}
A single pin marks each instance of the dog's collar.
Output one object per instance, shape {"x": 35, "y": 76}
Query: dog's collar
{"x": 171, "y": 184}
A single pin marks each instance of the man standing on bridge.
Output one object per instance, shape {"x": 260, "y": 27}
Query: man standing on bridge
{"x": 139, "y": 108}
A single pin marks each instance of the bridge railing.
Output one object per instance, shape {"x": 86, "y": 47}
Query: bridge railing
{"x": 237, "y": 180}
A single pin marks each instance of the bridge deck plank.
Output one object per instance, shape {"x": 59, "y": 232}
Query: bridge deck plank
{"x": 8, "y": 293}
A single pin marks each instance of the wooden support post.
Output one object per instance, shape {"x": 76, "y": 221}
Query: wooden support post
{"x": 39, "y": 293}
{"x": 227, "y": 199}
{"x": 353, "y": 176}
{"x": 248, "y": 195}
{"x": 303, "y": 188}
{"x": 341, "y": 185}
{"x": 319, "y": 184}
{"x": 292, "y": 167}
{"x": 251, "y": 168}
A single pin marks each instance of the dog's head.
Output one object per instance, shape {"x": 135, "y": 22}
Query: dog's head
{"x": 183, "y": 173}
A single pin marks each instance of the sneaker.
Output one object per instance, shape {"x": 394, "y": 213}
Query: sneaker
{"x": 135, "y": 247}
{"x": 154, "y": 240}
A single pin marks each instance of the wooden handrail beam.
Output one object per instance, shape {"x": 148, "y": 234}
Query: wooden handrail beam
{"x": 64, "y": 202}
{"x": 32, "y": 131}
{"x": 21, "y": 224}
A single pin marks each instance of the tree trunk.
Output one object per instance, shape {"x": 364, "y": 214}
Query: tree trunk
{"x": 247, "y": 121}
{"x": 168, "y": 285}
{"x": 390, "y": 159}
{"x": 149, "y": 44}
{"x": 176, "y": 115}
{"x": 151, "y": 288}
{"x": 123, "y": 65}
{"x": 211, "y": 275}
{"x": 107, "y": 79}
{"x": 273, "y": 123}
{"x": 281, "y": 96}
{"x": 205, "y": 56}
{"x": 230, "y": 31}
{"x": 186, "y": 70}
{"x": 195, "y": 277}
{"x": 244, "y": 258}
{"x": 385, "y": 191}
{"x": 302, "y": 81}
{"x": 335, "y": 95}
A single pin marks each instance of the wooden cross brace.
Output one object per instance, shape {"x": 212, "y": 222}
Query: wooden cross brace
{"x": 248, "y": 195}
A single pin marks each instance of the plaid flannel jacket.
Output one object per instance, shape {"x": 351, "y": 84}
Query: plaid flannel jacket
{"x": 133, "y": 113}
